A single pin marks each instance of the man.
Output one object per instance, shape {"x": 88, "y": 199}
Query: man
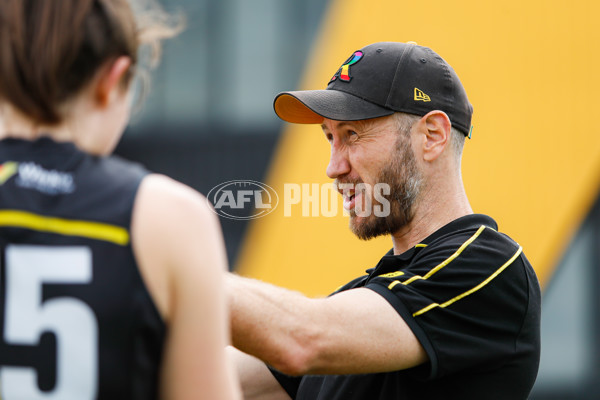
{"x": 452, "y": 311}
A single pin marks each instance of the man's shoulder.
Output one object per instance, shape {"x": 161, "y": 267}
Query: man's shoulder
{"x": 475, "y": 236}
{"x": 469, "y": 255}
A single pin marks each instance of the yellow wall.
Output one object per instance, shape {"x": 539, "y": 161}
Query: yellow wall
{"x": 532, "y": 72}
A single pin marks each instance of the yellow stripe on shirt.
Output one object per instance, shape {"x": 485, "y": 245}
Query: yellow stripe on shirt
{"x": 449, "y": 259}
{"x": 473, "y": 290}
{"x": 88, "y": 229}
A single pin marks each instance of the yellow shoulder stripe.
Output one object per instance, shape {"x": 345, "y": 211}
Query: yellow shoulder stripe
{"x": 92, "y": 230}
{"x": 394, "y": 283}
{"x": 471, "y": 291}
{"x": 449, "y": 259}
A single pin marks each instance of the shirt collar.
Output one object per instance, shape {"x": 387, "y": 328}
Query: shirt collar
{"x": 471, "y": 221}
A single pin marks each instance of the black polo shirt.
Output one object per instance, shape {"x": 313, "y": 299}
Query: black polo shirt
{"x": 472, "y": 299}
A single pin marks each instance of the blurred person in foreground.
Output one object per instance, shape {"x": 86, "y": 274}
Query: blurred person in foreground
{"x": 452, "y": 311}
{"x": 111, "y": 280}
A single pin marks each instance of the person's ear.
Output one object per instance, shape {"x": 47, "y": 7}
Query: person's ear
{"x": 436, "y": 134}
{"x": 110, "y": 80}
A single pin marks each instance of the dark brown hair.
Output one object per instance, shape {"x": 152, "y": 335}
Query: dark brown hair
{"x": 51, "y": 49}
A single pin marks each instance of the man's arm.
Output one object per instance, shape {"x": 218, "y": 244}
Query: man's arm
{"x": 356, "y": 331}
{"x": 258, "y": 383}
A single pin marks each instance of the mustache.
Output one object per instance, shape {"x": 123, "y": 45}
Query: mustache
{"x": 354, "y": 182}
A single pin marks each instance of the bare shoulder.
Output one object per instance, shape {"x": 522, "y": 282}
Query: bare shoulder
{"x": 166, "y": 208}
{"x": 175, "y": 237}
{"x": 167, "y": 197}
{"x": 180, "y": 252}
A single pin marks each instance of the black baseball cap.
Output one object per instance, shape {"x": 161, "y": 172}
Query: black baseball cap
{"x": 378, "y": 80}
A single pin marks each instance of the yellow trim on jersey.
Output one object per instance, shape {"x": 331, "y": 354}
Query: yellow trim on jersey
{"x": 471, "y": 291}
{"x": 421, "y": 245}
{"x": 449, "y": 259}
{"x": 391, "y": 274}
{"x": 92, "y": 230}
{"x": 390, "y": 287}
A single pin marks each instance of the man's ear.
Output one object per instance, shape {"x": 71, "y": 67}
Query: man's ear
{"x": 109, "y": 81}
{"x": 436, "y": 134}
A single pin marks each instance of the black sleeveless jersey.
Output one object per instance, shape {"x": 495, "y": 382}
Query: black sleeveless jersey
{"x": 76, "y": 320}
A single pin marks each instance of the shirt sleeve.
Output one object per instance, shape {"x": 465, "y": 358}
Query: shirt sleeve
{"x": 467, "y": 309}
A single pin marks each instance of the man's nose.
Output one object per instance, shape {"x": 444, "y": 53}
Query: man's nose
{"x": 338, "y": 162}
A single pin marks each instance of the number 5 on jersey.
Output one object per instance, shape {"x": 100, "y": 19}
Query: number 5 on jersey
{"x": 27, "y": 317}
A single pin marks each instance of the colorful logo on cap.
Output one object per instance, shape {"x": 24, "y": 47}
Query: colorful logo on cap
{"x": 7, "y": 170}
{"x": 344, "y": 72}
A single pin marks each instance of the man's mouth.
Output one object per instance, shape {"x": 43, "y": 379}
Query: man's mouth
{"x": 351, "y": 193}
{"x": 349, "y": 200}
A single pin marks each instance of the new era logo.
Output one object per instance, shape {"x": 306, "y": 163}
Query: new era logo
{"x": 421, "y": 96}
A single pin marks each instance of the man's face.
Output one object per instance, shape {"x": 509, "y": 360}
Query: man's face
{"x": 372, "y": 163}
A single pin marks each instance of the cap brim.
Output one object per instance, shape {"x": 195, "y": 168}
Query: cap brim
{"x": 312, "y": 106}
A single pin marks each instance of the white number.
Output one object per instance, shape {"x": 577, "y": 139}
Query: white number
{"x": 70, "y": 320}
